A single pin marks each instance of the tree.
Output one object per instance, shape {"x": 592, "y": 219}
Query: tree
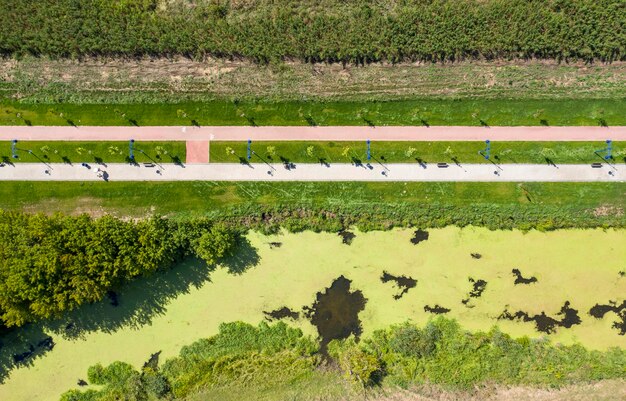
{"x": 214, "y": 244}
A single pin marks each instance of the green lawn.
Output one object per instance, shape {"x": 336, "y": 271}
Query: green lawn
{"x": 477, "y": 112}
{"x": 183, "y": 199}
{"x": 92, "y": 152}
{"x": 394, "y": 152}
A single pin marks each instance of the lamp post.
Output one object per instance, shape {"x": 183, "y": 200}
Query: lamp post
{"x": 14, "y": 148}
{"x": 486, "y": 153}
{"x": 609, "y": 149}
{"x": 131, "y": 150}
{"x": 369, "y": 155}
{"x": 249, "y": 151}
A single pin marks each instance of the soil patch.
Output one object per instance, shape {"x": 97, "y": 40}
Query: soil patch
{"x": 519, "y": 279}
{"x": 545, "y": 323}
{"x": 346, "y": 236}
{"x": 281, "y": 313}
{"x": 335, "y": 313}
{"x": 404, "y": 283}
{"x": 598, "y": 311}
{"x": 437, "y": 309}
{"x": 478, "y": 286}
{"x": 419, "y": 236}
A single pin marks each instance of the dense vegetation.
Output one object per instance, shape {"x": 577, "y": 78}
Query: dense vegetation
{"x": 355, "y": 31}
{"x": 441, "y": 353}
{"x": 53, "y": 264}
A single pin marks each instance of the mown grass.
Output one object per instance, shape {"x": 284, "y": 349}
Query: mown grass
{"x": 92, "y": 152}
{"x": 184, "y": 199}
{"x": 478, "y": 112}
{"x": 421, "y": 152}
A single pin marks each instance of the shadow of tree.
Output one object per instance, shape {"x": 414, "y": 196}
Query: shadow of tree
{"x": 244, "y": 257}
{"x": 138, "y": 303}
{"x": 18, "y": 341}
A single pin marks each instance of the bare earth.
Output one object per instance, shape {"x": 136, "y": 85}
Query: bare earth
{"x": 180, "y": 78}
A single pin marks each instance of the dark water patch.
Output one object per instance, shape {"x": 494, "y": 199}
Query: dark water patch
{"x": 112, "y": 296}
{"x": 519, "y": 279}
{"x": 281, "y": 313}
{"x": 153, "y": 362}
{"x": 419, "y": 236}
{"x": 17, "y": 358}
{"x": 335, "y": 313}
{"x": 404, "y": 283}
{"x": 478, "y": 286}
{"x": 476, "y": 255}
{"x": 346, "y": 236}
{"x": 437, "y": 309}
{"x": 544, "y": 323}
{"x": 598, "y": 311}
{"x": 47, "y": 344}
{"x": 81, "y": 383}
{"x": 275, "y": 245}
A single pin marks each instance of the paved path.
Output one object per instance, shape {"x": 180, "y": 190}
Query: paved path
{"x": 351, "y": 133}
{"x": 316, "y": 172}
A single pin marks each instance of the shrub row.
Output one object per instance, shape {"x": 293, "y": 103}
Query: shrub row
{"x": 356, "y": 31}
{"x": 441, "y": 353}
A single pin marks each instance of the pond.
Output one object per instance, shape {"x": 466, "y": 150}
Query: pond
{"x": 316, "y": 282}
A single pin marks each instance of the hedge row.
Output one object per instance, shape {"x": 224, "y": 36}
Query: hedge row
{"x": 356, "y": 31}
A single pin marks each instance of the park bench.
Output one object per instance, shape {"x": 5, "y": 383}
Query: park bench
{"x": 442, "y": 165}
{"x": 148, "y": 164}
{"x": 596, "y": 165}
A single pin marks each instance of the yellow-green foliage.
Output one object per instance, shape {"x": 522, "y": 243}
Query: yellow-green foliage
{"x": 357, "y": 364}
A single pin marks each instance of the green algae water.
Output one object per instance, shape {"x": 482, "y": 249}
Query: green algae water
{"x": 468, "y": 274}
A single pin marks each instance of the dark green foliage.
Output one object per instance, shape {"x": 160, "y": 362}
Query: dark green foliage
{"x": 53, "y": 264}
{"x": 239, "y": 354}
{"x": 357, "y": 31}
{"x": 442, "y": 353}
{"x": 462, "y": 359}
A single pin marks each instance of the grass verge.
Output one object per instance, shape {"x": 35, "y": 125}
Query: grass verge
{"x": 92, "y": 152}
{"x": 476, "y": 112}
{"x": 421, "y": 152}
{"x": 489, "y": 204}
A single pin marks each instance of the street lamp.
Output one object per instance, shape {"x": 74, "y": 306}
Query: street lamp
{"x": 369, "y": 155}
{"x": 14, "y": 148}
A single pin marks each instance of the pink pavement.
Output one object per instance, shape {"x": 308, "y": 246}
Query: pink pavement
{"x": 294, "y": 133}
{"x": 197, "y": 152}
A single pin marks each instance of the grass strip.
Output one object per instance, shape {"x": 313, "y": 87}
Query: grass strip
{"x": 436, "y": 204}
{"x": 416, "y": 152}
{"x": 477, "y": 112}
{"x": 93, "y": 152}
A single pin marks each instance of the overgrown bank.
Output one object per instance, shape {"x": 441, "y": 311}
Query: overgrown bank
{"x": 242, "y": 357}
{"x": 356, "y": 31}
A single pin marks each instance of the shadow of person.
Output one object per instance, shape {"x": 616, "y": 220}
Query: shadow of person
{"x": 244, "y": 257}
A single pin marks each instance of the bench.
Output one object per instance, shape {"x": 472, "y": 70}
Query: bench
{"x": 148, "y": 164}
{"x": 442, "y": 165}
{"x": 596, "y": 165}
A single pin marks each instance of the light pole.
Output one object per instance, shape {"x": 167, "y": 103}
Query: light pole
{"x": 131, "y": 150}
{"x": 14, "y": 148}
{"x": 486, "y": 153}
{"x": 369, "y": 155}
{"x": 249, "y": 152}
